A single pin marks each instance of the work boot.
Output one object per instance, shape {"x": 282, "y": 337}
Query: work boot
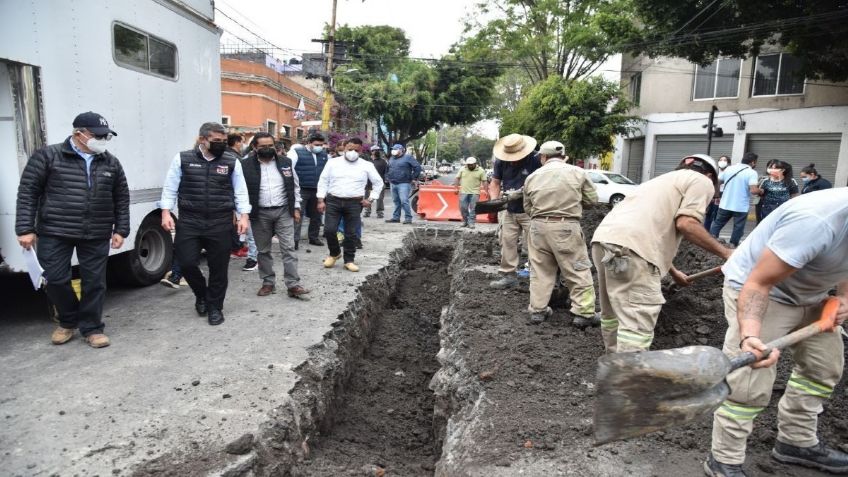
{"x": 584, "y": 322}
{"x": 818, "y": 456}
{"x": 507, "y": 281}
{"x": 317, "y": 242}
{"x": 266, "y": 290}
{"x": 714, "y": 468}
{"x": 330, "y": 261}
{"x": 97, "y": 340}
{"x": 540, "y": 317}
{"x": 216, "y": 316}
{"x": 298, "y": 292}
{"x": 379, "y": 215}
{"x": 351, "y": 267}
{"x": 61, "y": 335}
{"x": 200, "y": 306}
{"x": 392, "y": 221}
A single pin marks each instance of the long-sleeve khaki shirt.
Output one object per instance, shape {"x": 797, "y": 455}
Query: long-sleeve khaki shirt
{"x": 558, "y": 190}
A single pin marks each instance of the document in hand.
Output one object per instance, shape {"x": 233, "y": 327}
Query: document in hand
{"x": 33, "y": 267}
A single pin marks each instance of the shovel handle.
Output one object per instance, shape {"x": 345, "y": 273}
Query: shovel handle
{"x": 705, "y": 273}
{"x": 826, "y": 323}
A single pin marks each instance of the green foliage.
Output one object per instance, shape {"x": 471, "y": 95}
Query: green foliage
{"x": 701, "y": 31}
{"x": 584, "y": 115}
{"x": 406, "y": 96}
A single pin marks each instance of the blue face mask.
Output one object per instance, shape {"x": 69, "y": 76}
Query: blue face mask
{"x": 805, "y": 179}
{"x": 317, "y": 149}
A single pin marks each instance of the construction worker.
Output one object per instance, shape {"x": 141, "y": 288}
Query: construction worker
{"x": 515, "y": 159}
{"x": 553, "y": 198}
{"x": 635, "y": 244}
{"x": 777, "y": 279}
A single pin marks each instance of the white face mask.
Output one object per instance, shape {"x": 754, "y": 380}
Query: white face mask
{"x": 96, "y": 146}
{"x": 722, "y": 164}
{"x": 395, "y": 152}
{"x": 351, "y": 156}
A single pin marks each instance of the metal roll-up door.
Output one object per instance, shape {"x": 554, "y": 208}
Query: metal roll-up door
{"x": 672, "y": 148}
{"x": 635, "y": 159}
{"x": 799, "y": 150}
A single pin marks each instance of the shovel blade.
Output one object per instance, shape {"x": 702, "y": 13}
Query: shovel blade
{"x": 639, "y": 393}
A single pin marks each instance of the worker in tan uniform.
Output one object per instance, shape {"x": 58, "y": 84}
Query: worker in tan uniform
{"x": 635, "y": 244}
{"x": 553, "y": 199}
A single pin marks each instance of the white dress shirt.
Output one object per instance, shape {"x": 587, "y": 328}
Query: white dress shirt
{"x": 272, "y": 191}
{"x": 344, "y": 179}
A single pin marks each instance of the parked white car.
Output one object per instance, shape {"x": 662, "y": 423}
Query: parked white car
{"x": 612, "y": 187}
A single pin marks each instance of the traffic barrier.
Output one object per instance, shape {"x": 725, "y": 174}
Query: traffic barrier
{"x": 440, "y": 202}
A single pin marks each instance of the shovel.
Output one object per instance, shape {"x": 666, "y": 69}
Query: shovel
{"x": 647, "y": 391}
{"x": 674, "y": 288}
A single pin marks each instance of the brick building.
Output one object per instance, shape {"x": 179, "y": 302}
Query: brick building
{"x": 257, "y": 95}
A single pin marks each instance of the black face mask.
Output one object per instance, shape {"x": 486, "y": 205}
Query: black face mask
{"x": 217, "y": 149}
{"x": 266, "y": 152}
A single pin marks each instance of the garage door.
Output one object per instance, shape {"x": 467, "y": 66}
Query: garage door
{"x": 672, "y": 148}
{"x": 799, "y": 150}
{"x": 635, "y": 159}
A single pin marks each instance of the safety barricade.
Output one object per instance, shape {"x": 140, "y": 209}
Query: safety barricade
{"x": 440, "y": 202}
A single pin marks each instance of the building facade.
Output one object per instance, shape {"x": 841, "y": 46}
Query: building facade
{"x": 256, "y": 96}
{"x": 763, "y": 107}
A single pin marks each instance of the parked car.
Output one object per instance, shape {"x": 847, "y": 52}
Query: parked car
{"x": 612, "y": 187}
{"x": 430, "y": 172}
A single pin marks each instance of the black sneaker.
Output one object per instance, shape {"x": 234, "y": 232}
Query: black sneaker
{"x": 714, "y": 468}
{"x": 316, "y": 242}
{"x": 818, "y": 456}
{"x": 250, "y": 265}
{"x": 216, "y": 316}
{"x": 392, "y": 221}
{"x": 200, "y": 306}
{"x": 359, "y": 244}
{"x": 379, "y": 215}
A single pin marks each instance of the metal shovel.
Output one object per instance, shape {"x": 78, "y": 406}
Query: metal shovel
{"x": 642, "y": 392}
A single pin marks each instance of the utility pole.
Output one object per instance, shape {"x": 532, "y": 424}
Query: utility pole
{"x": 710, "y": 129}
{"x": 328, "y": 90}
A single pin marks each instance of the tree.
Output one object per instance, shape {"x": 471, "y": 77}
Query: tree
{"x": 585, "y": 115}
{"x": 565, "y": 38}
{"x": 408, "y": 97}
{"x": 703, "y": 30}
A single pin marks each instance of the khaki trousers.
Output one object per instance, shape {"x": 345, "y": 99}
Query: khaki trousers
{"x": 560, "y": 245}
{"x": 631, "y": 298}
{"x": 818, "y": 363}
{"x": 511, "y": 226}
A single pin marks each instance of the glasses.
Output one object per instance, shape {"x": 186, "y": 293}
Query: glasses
{"x": 107, "y": 136}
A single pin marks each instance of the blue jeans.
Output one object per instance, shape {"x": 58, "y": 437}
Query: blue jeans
{"x": 252, "y": 252}
{"x": 723, "y": 217}
{"x": 466, "y": 207}
{"x": 400, "y": 196}
{"x": 358, "y": 227}
{"x": 712, "y": 210}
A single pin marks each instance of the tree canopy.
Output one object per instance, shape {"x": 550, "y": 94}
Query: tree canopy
{"x": 585, "y": 115}
{"x": 702, "y": 30}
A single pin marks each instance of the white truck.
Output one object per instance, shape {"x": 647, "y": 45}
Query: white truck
{"x": 150, "y": 67}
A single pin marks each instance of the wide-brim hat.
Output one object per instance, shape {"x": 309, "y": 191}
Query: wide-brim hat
{"x": 513, "y": 147}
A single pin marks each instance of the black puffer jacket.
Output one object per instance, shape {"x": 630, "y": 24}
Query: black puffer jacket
{"x": 54, "y": 197}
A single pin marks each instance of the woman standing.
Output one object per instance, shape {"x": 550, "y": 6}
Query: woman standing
{"x": 777, "y": 188}
{"x": 812, "y": 181}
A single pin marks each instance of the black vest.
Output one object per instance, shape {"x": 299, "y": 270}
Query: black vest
{"x": 307, "y": 171}
{"x": 253, "y": 175}
{"x": 206, "y": 196}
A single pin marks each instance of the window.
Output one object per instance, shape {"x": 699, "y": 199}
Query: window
{"x": 718, "y": 80}
{"x": 271, "y": 127}
{"x": 225, "y": 120}
{"x": 139, "y": 51}
{"x": 285, "y": 131}
{"x": 777, "y": 74}
{"x": 636, "y": 88}
{"x": 597, "y": 178}
{"x": 619, "y": 179}
{"x": 299, "y": 134}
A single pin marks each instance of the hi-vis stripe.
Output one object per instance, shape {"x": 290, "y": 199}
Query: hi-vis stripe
{"x": 634, "y": 338}
{"x": 609, "y": 323}
{"x": 809, "y": 386}
{"x": 738, "y": 411}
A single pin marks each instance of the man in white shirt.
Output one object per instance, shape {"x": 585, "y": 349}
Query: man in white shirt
{"x": 341, "y": 194}
{"x": 739, "y": 183}
{"x": 274, "y": 192}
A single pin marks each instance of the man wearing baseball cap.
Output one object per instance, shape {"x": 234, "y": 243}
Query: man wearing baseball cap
{"x": 402, "y": 172}
{"x": 553, "y": 199}
{"x": 469, "y": 179}
{"x": 515, "y": 159}
{"x": 74, "y": 196}
{"x": 634, "y": 246}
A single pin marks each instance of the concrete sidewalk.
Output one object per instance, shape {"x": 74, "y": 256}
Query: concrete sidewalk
{"x": 169, "y": 381}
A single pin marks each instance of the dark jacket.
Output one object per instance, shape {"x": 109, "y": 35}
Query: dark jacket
{"x": 403, "y": 169}
{"x": 819, "y": 184}
{"x": 54, "y": 197}
{"x": 381, "y": 165}
{"x": 206, "y": 198}
{"x": 307, "y": 171}
{"x": 252, "y": 171}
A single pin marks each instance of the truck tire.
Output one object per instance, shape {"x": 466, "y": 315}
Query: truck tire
{"x": 615, "y": 199}
{"x": 149, "y": 260}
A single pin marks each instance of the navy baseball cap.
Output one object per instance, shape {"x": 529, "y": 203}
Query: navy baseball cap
{"x": 94, "y": 122}
{"x": 398, "y": 146}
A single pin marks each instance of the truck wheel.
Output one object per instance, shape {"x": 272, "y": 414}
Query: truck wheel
{"x": 151, "y": 258}
{"x": 615, "y": 199}
{"x": 413, "y": 204}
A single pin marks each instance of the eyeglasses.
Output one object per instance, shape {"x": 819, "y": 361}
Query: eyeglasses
{"x": 107, "y": 136}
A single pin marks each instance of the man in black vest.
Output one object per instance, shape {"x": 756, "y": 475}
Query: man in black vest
{"x": 272, "y": 186}
{"x": 309, "y": 163}
{"x": 74, "y": 196}
{"x": 207, "y": 184}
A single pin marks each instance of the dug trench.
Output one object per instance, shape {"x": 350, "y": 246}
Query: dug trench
{"x": 507, "y": 397}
